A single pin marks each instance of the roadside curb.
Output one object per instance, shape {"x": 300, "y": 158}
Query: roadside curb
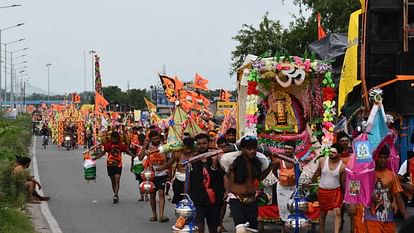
{"x": 40, "y": 214}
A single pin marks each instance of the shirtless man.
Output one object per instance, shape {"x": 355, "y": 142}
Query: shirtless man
{"x": 156, "y": 160}
{"x": 180, "y": 171}
{"x": 20, "y": 170}
{"x": 243, "y": 170}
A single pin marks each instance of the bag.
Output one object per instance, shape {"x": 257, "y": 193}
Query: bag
{"x": 286, "y": 176}
{"x": 89, "y": 169}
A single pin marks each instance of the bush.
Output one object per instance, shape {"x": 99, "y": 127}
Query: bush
{"x": 15, "y": 139}
{"x": 12, "y": 187}
{"x": 14, "y": 221}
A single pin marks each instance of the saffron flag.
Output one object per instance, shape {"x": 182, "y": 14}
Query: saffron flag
{"x": 169, "y": 85}
{"x": 321, "y": 32}
{"x": 150, "y": 105}
{"x": 349, "y": 74}
{"x": 200, "y": 82}
{"x": 225, "y": 95}
{"x": 100, "y": 103}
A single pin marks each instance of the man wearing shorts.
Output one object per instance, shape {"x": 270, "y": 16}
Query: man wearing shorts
{"x": 114, "y": 147}
{"x": 155, "y": 159}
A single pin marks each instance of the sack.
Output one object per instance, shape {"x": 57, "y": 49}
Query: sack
{"x": 286, "y": 177}
{"x": 180, "y": 223}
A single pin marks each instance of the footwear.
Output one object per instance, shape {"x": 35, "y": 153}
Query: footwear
{"x": 34, "y": 202}
{"x": 164, "y": 219}
{"x": 146, "y": 197}
{"x": 115, "y": 199}
{"x": 44, "y": 198}
{"x": 141, "y": 199}
{"x": 153, "y": 219}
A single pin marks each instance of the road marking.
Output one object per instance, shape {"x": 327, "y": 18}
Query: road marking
{"x": 54, "y": 226}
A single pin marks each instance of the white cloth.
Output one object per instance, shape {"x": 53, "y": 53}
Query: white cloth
{"x": 283, "y": 196}
{"x": 227, "y": 159}
{"x": 180, "y": 176}
{"x": 403, "y": 169}
{"x": 330, "y": 179}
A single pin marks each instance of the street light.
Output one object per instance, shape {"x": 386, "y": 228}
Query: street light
{"x": 11, "y": 70}
{"x": 15, "y": 5}
{"x": 4, "y": 29}
{"x": 48, "y": 81}
{"x": 92, "y": 52}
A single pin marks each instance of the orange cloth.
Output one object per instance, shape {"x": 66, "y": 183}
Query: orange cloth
{"x": 359, "y": 219}
{"x": 380, "y": 227}
{"x": 330, "y": 199}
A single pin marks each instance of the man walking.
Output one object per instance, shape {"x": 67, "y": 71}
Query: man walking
{"x": 114, "y": 147}
{"x": 332, "y": 172}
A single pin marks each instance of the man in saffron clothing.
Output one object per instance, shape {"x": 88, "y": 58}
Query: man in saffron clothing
{"x": 386, "y": 198}
{"x": 114, "y": 147}
{"x": 332, "y": 172}
{"x": 156, "y": 160}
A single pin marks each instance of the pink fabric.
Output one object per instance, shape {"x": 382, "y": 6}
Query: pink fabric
{"x": 394, "y": 160}
{"x": 360, "y": 179}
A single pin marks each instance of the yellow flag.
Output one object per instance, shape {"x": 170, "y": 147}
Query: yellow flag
{"x": 150, "y": 105}
{"x": 362, "y": 6}
{"x": 350, "y": 67}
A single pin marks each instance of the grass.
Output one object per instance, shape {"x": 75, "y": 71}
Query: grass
{"x": 14, "y": 221}
{"x": 15, "y": 140}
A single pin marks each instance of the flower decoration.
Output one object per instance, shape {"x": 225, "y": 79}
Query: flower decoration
{"x": 328, "y": 93}
{"x": 252, "y": 88}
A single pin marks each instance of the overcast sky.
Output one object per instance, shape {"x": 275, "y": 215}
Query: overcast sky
{"x": 134, "y": 38}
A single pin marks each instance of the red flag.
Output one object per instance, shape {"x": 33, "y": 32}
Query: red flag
{"x": 200, "y": 82}
{"x": 321, "y": 32}
{"x": 100, "y": 103}
{"x": 169, "y": 86}
{"x": 225, "y": 95}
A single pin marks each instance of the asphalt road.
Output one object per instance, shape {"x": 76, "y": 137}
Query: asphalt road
{"x": 81, "y": 207}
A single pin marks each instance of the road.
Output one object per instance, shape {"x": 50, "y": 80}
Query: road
{"x": 81, "y": 207}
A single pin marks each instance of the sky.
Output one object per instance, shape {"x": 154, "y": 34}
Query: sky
{"x": 134, "y": 39}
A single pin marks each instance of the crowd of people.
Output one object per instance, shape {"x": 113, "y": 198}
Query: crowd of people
{"x": 231, "y": 179}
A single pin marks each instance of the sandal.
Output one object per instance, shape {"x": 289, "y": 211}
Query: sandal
{"x": 164, "y": 219}
{"x": 153, "y": 219}
{"x": 115, "y": 199}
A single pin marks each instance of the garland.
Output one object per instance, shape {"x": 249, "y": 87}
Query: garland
{"x": 288, "y": 71}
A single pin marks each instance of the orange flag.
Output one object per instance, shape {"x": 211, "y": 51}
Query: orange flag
{"x": 225, "y": 95}
{"x": 169, "y": 86}
{"x": 200, "y": 82}
{"x": 100, "y": 103}
{"x": 150, "y": 105}
{"x": 178, "y": 84}
{"x": 321, "y": 32}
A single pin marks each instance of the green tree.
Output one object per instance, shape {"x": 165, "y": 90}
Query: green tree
{"x": 268, "y": 36}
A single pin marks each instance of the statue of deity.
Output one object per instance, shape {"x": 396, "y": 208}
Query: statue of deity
{"x": 280, "y": 116}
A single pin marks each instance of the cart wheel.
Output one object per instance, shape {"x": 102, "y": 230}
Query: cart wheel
{"x": 260, "y": 227}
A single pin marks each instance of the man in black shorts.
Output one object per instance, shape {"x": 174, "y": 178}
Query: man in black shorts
{"x": 114, "y": 147}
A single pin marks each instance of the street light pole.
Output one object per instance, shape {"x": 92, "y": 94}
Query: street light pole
{"x": 92, "y": 52}
{"x": 4, "y": 29}
{"x": 48, "y": 81}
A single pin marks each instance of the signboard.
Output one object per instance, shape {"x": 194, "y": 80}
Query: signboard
{"x": 224, "y": 107}
{"x": 137, "y": 115}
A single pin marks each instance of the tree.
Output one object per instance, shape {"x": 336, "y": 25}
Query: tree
{"x": 267, "y": 37}
{"x": 271, "y": 38}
